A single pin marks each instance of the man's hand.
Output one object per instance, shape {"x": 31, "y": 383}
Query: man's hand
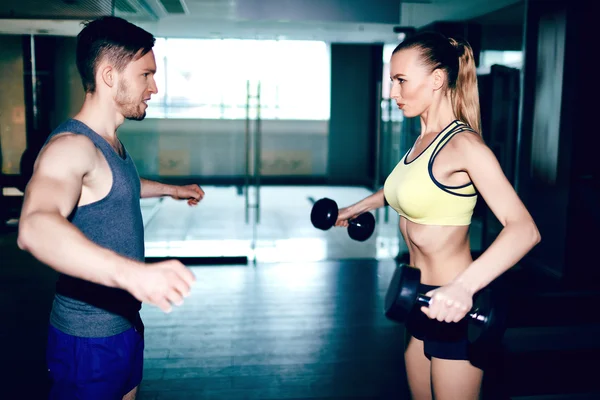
{"x": 162, "y": 284}
{"x": 192, "y": 193}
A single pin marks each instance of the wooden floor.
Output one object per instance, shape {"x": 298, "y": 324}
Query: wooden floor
{"x": 311, "y": 330}
{"x": 277, "y": 331}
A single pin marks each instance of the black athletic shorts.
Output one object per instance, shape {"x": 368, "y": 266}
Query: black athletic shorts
{"x": 445, "y": 340}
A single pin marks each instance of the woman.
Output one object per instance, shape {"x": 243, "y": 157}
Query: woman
{"x": 433, "y": 190}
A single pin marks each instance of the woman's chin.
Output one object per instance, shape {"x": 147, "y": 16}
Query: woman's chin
{"x": 407, "y": 114}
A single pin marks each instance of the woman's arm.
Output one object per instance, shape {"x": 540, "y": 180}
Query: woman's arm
{"x": 518, "y": 236}
{"x": 372, "y": 202}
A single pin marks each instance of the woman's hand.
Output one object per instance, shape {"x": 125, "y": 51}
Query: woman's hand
{"x": 372, "y": 202}
{"x": 449, "y": 303}
{"x": 344, "y": 215}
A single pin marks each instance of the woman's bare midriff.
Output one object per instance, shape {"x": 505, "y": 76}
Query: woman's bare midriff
{"x": 440, "y": 252}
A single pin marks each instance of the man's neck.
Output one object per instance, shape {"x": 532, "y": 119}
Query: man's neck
{"x": 101, "y": 116}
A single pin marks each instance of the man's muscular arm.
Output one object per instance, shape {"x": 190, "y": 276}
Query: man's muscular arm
{"x": 51, "y": 195}
{"x": 45, "y": 232}
{"x": 192, "y": 193}
{"x": 155, "y": 189}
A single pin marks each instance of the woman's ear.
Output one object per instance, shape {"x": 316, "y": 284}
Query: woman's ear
{"x": 439, "y": 79}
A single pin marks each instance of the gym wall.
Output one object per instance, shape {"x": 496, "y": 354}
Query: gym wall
{"x": 356, "y": 69}
{"x": 558, "y": 173}
{"x": 214, "y": 150}
{"x": 188, "y": 148}
{"x": 12, "y": 104}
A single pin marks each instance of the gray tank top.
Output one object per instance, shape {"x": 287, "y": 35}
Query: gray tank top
{"x": 83, "y": 308}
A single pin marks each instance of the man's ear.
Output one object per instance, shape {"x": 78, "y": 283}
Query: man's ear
{"x": 107, "y": 73}
{"x": 439, "y": 79}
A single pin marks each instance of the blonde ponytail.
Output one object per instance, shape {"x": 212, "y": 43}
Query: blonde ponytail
{"x": 465, "y": 94}
{"x": 456, "y": 58}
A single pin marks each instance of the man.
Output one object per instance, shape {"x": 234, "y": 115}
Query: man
{"x": 81, "y": 216}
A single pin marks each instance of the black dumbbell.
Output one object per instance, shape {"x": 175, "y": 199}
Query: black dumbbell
{"x": 487, "y": 318}
{"x": 324, "y": 214}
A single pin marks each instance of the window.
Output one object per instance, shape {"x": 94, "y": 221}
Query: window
{"x": 389, "y": 109}
{"x": 208, "y": 79}
{"x": 488, "y": 58}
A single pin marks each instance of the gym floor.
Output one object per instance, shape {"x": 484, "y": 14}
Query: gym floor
{"x": 304, "y": 321}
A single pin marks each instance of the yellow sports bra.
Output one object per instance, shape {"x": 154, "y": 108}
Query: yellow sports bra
{"x": 415, "y": 194}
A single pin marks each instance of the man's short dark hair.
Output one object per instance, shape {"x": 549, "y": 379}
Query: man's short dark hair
{"x": 112, "y": 37}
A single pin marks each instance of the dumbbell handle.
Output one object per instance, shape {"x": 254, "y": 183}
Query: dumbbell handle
{"x": 474, "y": 313}
{"x": 353, "y": 221}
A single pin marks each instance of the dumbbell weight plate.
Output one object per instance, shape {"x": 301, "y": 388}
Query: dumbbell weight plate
{"x": 402, "y": 293}
{"x": 361, "y": 228}
{"x": 324, "y": 213}
{"x": 489, "y": 333}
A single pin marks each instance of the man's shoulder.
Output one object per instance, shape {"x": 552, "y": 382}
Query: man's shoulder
{"x": 69, "y": 148}
{"x": 70, "y": 141}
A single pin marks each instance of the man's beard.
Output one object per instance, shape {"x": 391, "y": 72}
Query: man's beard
{"x": 129, "y": 107}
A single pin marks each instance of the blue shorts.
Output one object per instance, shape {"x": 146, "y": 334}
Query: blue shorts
{"x": 104, "y": 368}
{"x": 445, "y": 340}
